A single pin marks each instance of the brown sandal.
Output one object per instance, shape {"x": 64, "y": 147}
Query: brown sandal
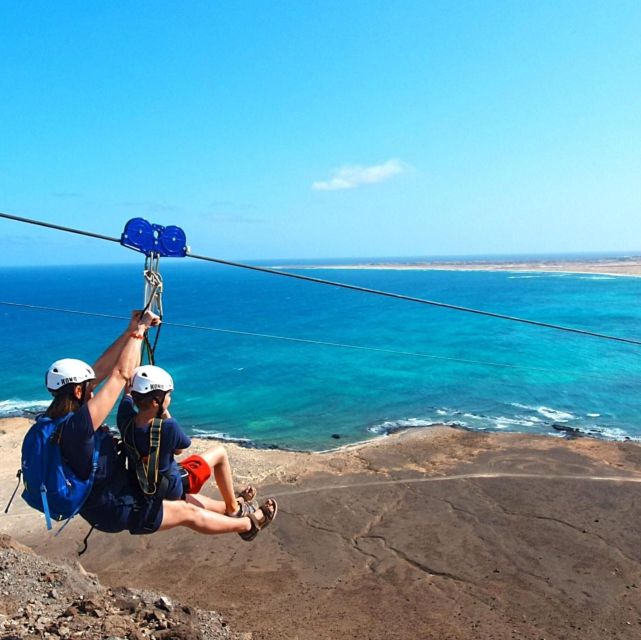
{"x": 258, "y": 525}
{"x": 247, "y": 494}
{"x": 246, "y": 504}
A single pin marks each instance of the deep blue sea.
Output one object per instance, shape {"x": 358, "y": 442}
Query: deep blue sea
{"x": 294, "y": 395}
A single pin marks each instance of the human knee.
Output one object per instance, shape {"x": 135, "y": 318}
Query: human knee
{"x": 215, "y": 456}
{"x": 181, "y": 513}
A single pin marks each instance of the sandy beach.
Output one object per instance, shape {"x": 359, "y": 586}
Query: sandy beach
{"x": 430, "y": 533}
{"x": 604, "y": 266}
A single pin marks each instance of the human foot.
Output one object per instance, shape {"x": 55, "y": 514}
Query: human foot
{"x": 244, "y": 503}
{"x": 260, "y": 519}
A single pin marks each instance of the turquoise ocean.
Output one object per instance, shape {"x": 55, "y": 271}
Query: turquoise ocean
{"x": 476, "y": 372}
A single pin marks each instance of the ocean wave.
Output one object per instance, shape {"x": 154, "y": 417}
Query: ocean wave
{"x": 555, "y": 414}
{"x": 16, "y": 408}
{"x": 530, "y": 419}
{"x": 391, "y": 426}
{"x": 527, "y": 407}
{"x": 614, "y": 434}
{"x": 474, "y": 416}
{"x": 219, "y": 435}
{"x": 503, "y": 422}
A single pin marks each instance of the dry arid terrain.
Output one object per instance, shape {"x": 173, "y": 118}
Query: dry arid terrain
{"x": 433, "y": 533}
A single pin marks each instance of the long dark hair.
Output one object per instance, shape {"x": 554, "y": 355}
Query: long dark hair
{"x": 64, "y": 402}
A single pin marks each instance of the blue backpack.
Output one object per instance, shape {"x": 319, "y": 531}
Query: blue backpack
{"x": 50, "y": 486}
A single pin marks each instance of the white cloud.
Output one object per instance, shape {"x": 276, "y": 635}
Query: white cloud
{"x": 350, "y": 177}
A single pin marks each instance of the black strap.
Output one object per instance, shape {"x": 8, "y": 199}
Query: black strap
{"x": 13, "y": 495}
{"x": 148, "y": 349}
{"x": 86, "y": 541}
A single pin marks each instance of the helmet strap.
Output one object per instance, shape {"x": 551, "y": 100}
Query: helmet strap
{"x": 84, "y": 392}
{"x": 161, "y": 401}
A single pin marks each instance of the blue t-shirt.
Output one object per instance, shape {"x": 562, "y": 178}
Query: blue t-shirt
{"x": 115, "y": 502}
{"x": 77, "y": 442}
{"x": 172, "y": 438}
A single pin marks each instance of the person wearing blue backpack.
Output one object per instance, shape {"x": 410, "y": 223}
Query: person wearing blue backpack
{"x": 85, "y": 461}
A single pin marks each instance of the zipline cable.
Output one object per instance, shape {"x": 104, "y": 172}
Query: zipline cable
{"x": 353, "y": 287}
{"x": 400, "y": 296}
{"x": 58, "y": 227}
{"x": 288, "y": 338}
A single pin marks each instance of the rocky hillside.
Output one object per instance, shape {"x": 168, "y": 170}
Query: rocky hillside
{"x": 42, "y": 599}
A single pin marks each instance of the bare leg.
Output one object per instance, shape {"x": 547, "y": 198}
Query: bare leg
{"x": 217, "y": 459}
{"x": 177, "y": 513}
{"x": 199, "y": 500}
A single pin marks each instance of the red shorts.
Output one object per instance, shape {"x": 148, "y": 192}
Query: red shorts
{"x": 198, "y": 472}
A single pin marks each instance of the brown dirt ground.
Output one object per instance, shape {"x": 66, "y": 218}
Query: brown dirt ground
{"x": 437, "y": 533}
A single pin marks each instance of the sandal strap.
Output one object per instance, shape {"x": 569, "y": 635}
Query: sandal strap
{"x": 256, "y": 523}
{"x": 247, "y": 494}
{"x": 268, "y": 516}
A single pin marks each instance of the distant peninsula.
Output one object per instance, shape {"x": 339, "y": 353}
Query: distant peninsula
{"x": 598, "y": 266}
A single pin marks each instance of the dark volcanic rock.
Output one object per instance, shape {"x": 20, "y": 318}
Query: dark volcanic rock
{"x": 42, "y": 599}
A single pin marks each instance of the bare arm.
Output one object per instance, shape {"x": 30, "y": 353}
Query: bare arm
{"x": 129, "y": 379}
{"x": 104, "y": 400}
{"x": 107, "y": 361}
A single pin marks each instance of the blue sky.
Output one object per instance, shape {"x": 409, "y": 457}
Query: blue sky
{"x": 322, "y": 129}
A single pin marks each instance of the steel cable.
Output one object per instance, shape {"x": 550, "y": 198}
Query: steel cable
{"x": 352, "y": 287}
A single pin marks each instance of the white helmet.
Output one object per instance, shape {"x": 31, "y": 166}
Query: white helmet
{"x": 67, "y": 371}
{"x": 151, "y": 378}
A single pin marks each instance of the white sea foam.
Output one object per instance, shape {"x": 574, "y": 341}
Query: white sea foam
{"x": 15, "y": 407}
{"x": 555, "y": 414}
{"x": 515, "y": 422}
{"x": 389, "y": 426}
{"x": 612, "y": 433}
{"x": 605, "y": 433}
{"x": 592, "y": 415}
{"x": 208, "y": 435}
{"x": 474, "y": 416}
{"x": 532, "y": 419}
{"x": 529, "y": 420}
{"x": 527, "y": 407}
